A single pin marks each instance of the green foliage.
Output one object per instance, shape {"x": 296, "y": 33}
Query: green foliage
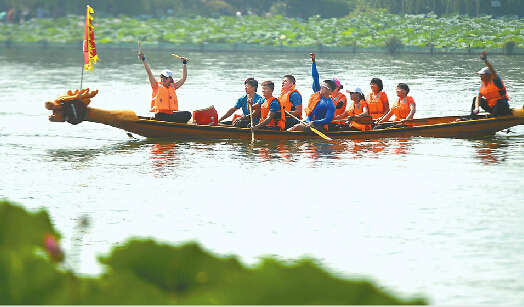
{"x": 367, "y": 29}
{"x": 393, "y": 43}
{"x": 143, "y": 272}
{"x": 294, "y": 8}
{"x": 509, "y": 47}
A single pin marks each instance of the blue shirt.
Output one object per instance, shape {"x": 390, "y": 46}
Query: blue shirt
{"x": 316, "y": 77}
{"x": 296, "y": 99}
{"x": 242, "y": 103}
{"x": 274, "y": 106}
{"x": 323, "y": 112}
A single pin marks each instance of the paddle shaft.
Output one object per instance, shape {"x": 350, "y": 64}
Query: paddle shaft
{"x": 322, "y": 135}
{"x": 177, "y": 56}
{"x": 251, "y": 118}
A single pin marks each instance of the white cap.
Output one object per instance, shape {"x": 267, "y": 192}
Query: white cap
{"x": 484, "y": 71}
{"x": 166, "y": 73}
{"x": 357, "y": 90}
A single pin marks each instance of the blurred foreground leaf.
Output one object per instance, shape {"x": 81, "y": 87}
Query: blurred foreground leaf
{"x": 144, "y": 272}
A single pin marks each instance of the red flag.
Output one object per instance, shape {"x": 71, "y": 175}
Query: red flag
{"x": 90, "y": 56}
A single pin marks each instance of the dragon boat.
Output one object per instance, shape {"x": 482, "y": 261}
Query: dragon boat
{"x": 74, "y": 108}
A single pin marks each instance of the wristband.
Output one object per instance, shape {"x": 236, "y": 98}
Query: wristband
{"x": 184, "y": 62}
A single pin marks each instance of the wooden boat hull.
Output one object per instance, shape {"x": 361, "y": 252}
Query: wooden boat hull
{"x": 448, "y": 126}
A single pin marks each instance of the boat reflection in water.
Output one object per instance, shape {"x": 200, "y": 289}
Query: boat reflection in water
{"x": 164, "y": 157}
{"x": 492, "y": 151}
{"x": 169, "y": 155}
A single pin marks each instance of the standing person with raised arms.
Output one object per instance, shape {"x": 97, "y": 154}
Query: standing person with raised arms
{"x": 164, "y": 102}
{"x": 492, "y": 95}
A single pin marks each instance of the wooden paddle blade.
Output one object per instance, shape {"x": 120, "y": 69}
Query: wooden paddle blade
{"x": 178, "y": 56}
{"x": 364, "y": 120}
{"x": 320, "y": 134}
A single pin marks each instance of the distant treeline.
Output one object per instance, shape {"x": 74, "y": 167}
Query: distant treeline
{"x": 291, "y": 8}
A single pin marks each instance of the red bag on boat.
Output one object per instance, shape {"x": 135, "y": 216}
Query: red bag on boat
{"x": 208, "y": 116}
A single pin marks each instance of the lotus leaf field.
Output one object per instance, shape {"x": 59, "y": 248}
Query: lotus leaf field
{"x": 362, "y": 30}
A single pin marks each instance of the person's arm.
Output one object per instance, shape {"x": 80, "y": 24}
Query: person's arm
{"x": 271, "y": 115}
{"x": 484, "y": 57}
{"x": 385, "y": 102}
{"x": 412, "y": 110}
{"x": 296, "y": 101}
{"x": 342, "y": 103}
{"x": 142, "y": 58}
{"x": 365, "y": 112}
{"x": 330, "y": 113}
{"x": 314, "y": 74}
{"x": 386, "y": 117}
{"x": 228, "y": 113}
{"x": 181, "y": 82}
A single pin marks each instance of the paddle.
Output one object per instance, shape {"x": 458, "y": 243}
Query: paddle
{"x": 251, "y": 118}
{"x": 322, "y": 135}
{"x": 180, "y": 57}
{"x": 364, "y": 120}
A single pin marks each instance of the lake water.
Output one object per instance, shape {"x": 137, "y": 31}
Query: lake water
{"x": 441, "y": 218}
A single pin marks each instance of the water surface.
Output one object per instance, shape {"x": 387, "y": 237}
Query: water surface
{"x": 436, "y": 217}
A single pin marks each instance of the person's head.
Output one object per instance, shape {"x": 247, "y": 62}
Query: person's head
{"x": 166, "y": 77}
{"x": 339, "y": 85}
{"x": 484, "y": 74}
{"x": 251, "y": 85}
{"x": 376, "y": 85}
{"x": 357, "y": 94}
{"x": 327, "y": 87}
{"x": 402, "y": 90}
{"x": 267, "y": 88}
{"x": 288, "y": 82}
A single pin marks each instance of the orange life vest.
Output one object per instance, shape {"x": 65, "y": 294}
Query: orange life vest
{"x": 264, "y": 111}
{"x": 164, "y": 99}
{"x": 492, "y": 93}
{"x": 313, "y": 101}
{"x": 336, "y": 99}
{"x": 377, "y": 104}
{"x": 357, "y": 109}
{"x": 284, "y": 99}
{"x": 401, "y": 108}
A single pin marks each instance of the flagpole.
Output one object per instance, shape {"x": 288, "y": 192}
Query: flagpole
{"x": 82, "y": 76}
{"x": 83, "y": 64}
{"x": 90, "y": 56}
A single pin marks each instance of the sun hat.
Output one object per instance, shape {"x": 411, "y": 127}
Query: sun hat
{"x": 357, "y": 90}
{"x": 167, "y": 73}
{"x": 484, "y": 71}
{"x": 337, "y": 82}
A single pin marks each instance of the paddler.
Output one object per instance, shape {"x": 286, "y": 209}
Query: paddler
{"x": 291, "y": 100}
{"x": 323, "y": 109}
{"x": 377, "y": 100}
{"x": 492, "y": 95}
{"x": 249, "y": 103}
{"x": 271, "y": 112}
{"x": 358, "y": 108}
{"x": 339, "y": 99}
{"x": 404, "y": 109}
{"x": 164, "y": 102}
